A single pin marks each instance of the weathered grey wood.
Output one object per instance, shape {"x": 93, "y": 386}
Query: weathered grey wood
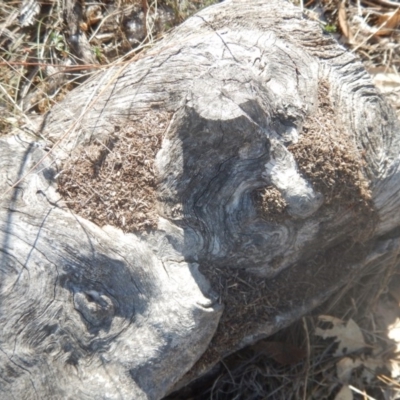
{"x": 87, "y": 312}
{"x": 93, "y": 313}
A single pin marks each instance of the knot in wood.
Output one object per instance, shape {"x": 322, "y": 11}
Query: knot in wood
{"x": 94, "y": 307}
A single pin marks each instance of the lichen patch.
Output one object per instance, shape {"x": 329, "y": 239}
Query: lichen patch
{"x": 114, "y": 183}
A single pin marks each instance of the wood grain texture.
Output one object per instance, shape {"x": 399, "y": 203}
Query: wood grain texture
{"x": 95, "y": 313}
{"x": 87, "y": 312}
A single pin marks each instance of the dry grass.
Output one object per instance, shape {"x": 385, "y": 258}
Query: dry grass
{"x": 368, "y": 28}
{"x": 41, "y": 61}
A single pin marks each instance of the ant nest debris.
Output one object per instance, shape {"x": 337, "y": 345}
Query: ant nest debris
{"x": 114, "y": 183}
{"x": 271, "y": 204}
{"x": 327, "y": 156}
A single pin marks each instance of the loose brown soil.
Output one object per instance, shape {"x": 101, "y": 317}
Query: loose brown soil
{"x": 328, "y": 157}
{"x": 271, "y": 204}
{"x": 114, "y": 183}
{"x": 334, "y": 167}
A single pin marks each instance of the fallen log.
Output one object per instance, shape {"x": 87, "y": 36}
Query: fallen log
{"x": 189, "y": 203}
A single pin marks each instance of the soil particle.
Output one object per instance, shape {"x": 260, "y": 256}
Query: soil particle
{"x": 114, "y": 183}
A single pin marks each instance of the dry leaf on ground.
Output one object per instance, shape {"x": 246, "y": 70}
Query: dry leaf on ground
{"x": 388, "y": 22}
{"x": 344, "y": 394}
{"x": 370, "y": 367}
{"x": 348, "y": 335}
{"x": 385, "y": 81}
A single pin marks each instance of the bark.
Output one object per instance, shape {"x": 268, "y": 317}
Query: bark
{"x": 264, "y": 106}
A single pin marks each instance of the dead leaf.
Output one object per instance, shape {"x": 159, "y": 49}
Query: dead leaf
{"x": 386, "y": 315}
{"x": 394, "y": 284}
{"x": 394, "y": 368}
{"x": 388, "y": 82}
{"x": 344, "y": 394}
{"x": 345, "y": 368}
{"x": 348, "y": 336}
{"x": 370, "y": 367}
{"x": 282, "y": 353}
{"x": 388, "y": 22}
{"x": 394, "y": 333}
